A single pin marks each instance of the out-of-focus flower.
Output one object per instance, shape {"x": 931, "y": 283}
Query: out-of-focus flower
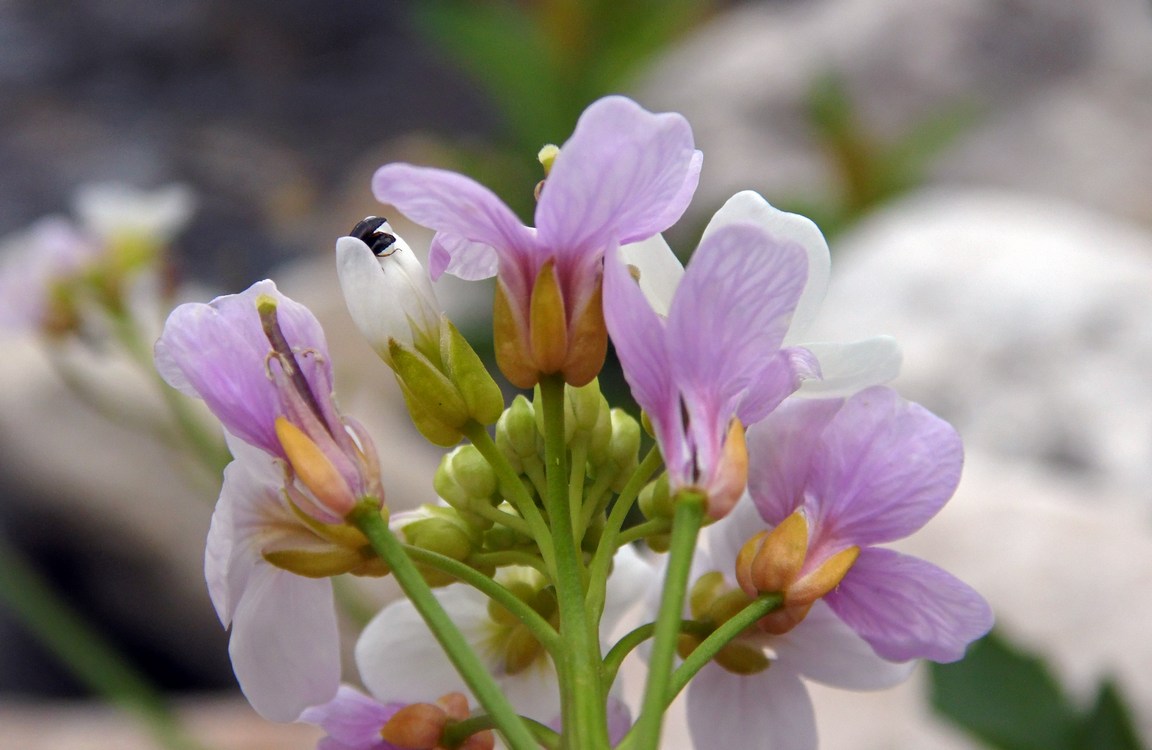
{"x": 37, "y": 268}
{"x": 715, "y": 364}
{"x": 844, "y": 368}
{"x": 400, "y": 660}
{"x": 860, "y": 472}
{"x": 624, "y": 175}
{"x": 754, "y": 693}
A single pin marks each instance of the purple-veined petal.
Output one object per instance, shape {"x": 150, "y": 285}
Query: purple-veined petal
{"x": 770, "y": 710}
{"x": 731, "y": 310}
{"x": 749, "y": 207}
{"x": 780, "y": 454}
{"x": 462, "y": 258}
{"x": 659, "y": 269}
{"x": 352, "y": 720}
{"x": 885, "y": 466}
{"x": 285, "y": 647}
{"x": 640, "y": 340}
{"x": 457, "y": 207}
{"x": 907, "y": 608}
{"x": 825, "y": 649}
{"x": 779, "y": 379}
{"x": 624, "y": 175}
{"x": 848, "y": 368}
{"x": 218, "y": 352}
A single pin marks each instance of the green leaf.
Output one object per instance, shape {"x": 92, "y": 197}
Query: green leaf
{"x": 1006, "y": 698}
{"x": 1108, "y": 726}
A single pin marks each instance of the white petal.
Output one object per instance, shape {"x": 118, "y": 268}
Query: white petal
{"x": 824, "y": 649}
{"x": 631, "y": 578}
{"x": 767, "y": 711}
{"x": 848, "y": 368}
{"x": 285, "y": 648}
{"x": 399, "y": 658}
{"x": 660, "y": 270}
{"x": 747, "y": 206}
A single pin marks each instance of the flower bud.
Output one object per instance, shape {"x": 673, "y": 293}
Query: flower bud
{"x": 516, "y": 433}
{"x": 656, "y": 499}
{"x": 624, "y": 447}
{"x": 481, "y": 394}
{"x": 417, "y": 726}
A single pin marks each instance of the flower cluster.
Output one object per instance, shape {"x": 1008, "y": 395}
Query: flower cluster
{"x": 789, "y": 462}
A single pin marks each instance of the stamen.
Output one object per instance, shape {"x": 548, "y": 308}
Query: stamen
{"x": 282, "y": 351}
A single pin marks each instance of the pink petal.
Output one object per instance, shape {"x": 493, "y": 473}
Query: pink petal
{"x": 770, "y": 710}
{"x": 352, "y": 720}
{"x": 639, "y": 337}
{"x": 907, "y": 608}
{"x": 778, "y": 379}
{"x": 624, "y": 175}
{"x": 466, "y": 215}
{"x": 780, "y": 455}
{"x": 884, "y": 468}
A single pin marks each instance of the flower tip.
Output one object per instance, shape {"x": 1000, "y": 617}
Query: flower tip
{"x": 547, "y": 157}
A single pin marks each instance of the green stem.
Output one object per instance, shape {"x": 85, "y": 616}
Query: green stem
{"x": 501, "y": 558}
{"x": 495, "y": 515}
{"x": 606, "y": 550}
{"x": 456, "y": 734}
{"x": 585, "y": 722}
{"x": 596, "y": 500}
{"x": 86, "y": 653}
{"x": 578, "y": 466}
{"x": 514, "y": 491}
{"x": 643, "y": 530}
{"x": 685, "y": 529}
{"x": 618, "y": 653}
{"x": 541, "y": 629}
{"x": 367, "y": 518}
{"x": 719, "y": 638}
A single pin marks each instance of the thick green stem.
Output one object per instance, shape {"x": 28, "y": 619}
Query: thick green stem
{"x": 685, "y": 530}
{"x": 367, "y": 518}
{"x": 456, "y": 734}
{"x": 719, "y": 638}
{"x": 585, "y": 722}
{"x": 83, "y": 651}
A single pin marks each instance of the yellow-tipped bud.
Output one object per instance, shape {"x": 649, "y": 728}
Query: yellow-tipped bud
{"x": 824, "y": 578}
{"x": 314, "y": 469}
{"x": 771, "y": 561}
{"x": 417, "y": 726}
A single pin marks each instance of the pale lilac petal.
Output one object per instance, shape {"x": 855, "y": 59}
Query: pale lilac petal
{"x": 750, "y": 207}
{"x": 624, "y": 175}
{"x": 778, "y": 380}
{"x": 884, "y": 468}
{"x": 352, "y": 720}
{"x": 659, "y": 269}
{"x": 462, "y": 258}
{"x": 770, "y": 710}
{"x": 457, "y": 207}
{"x": 907, "y": 608}
{"x": 825, "y": 649}
{"x": 285, "y": 647}
{"x": 400, "y": 660}
{"x": 848, "y": 368}
{"x": 730, "y": 313}
{"x": 218, "y": 352}
{"x": 534, "y": 692}
{"x": 640, "y": 341}
{"x": 721, "y": 541}
{"x": 631, "y": 577}
{"x": 780, "y": 455}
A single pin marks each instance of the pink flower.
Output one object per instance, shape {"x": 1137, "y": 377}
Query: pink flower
{"x": 624, "y": 175}
{"x": 716, "y": 363}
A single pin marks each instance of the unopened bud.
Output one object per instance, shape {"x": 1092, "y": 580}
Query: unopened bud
{"x": 516, "y": 433}
{"x": 770, "y": 561}
{"x": 481, "y": 394}
{"x": 624, "y": 447}
{"x": 586, "y": 401}
{"x": 417, "y": 726}
{"x": 656, "y": 499}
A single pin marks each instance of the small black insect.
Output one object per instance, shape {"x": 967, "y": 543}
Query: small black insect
{"x": 369, "y": 232}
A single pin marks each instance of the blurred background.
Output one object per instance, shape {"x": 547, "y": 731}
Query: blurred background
{"x": 980, "y": 167}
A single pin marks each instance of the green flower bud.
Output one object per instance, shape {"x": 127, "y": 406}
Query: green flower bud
{"x": 624, "y": 447}
{"x": 601, "y": 435}
{"x": 585, "y": 402}
{"x": 429, "y": 387}
{"x": 655, "y": 499}
{"x": 473, "y": 473}
{"x": 429, "y": 426}
{"x": 481, "y": 394}
{"x": 516, "y": 433}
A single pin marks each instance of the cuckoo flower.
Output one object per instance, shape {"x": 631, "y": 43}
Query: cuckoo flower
{"x": 260, "y": 362}
{"x": 844, "y": 368}
{"x": 625, "y": 174}
{"x": 845, "y": 475}
{"x": 753, "y": 695}
{"x": 716, "y": 363}
{"x": 37, "y": 269}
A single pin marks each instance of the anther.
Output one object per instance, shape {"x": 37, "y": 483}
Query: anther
{"x": 368, "y": 231}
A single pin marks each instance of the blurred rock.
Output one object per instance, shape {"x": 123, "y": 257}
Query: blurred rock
{"x": 1051, "y": 96}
